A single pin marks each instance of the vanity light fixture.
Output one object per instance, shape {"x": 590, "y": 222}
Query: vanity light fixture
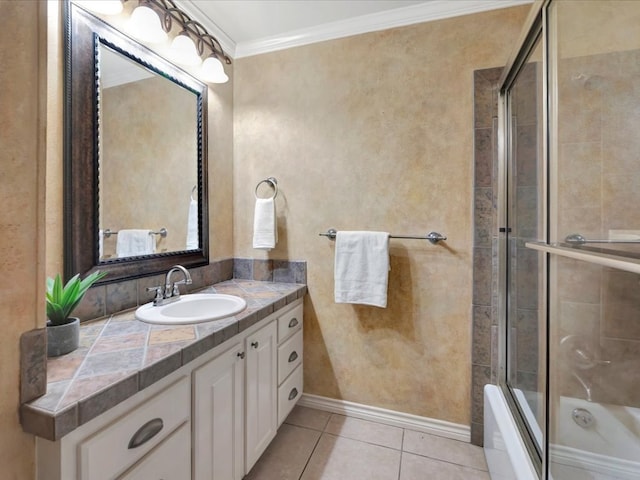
{"x": 212, "y": 71}
{"x": 183, "y": 51}
{"x": 152, "y": 21}
{"x": 145, "y": 25}
{"x": 192, "y": 44}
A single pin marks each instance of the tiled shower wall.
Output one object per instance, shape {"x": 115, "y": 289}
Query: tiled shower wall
{"x": 484, "y": 354}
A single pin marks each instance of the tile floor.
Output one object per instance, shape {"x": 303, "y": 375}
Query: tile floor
{"x": 317, "y": 445}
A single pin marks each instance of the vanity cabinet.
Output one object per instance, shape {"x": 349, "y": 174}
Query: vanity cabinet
{"x": 218, "y": 412}
{"x": 289, "y": 361}
{"x": 209, "y": 420}
{"x": 168, "y": 461}
{"x": 262, "y": 393}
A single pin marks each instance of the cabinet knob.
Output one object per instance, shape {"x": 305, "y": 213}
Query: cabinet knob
{"x": 293, "y": 322}
{"x": 293, "y": 356}
{"x": 241, "y": 355}
{"x": 145, "y": 433}
{"x": 293, "y": 394}
{"x": 255, "y": 344}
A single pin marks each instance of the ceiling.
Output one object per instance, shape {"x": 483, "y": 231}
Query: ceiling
{"x": 250, "y": 27}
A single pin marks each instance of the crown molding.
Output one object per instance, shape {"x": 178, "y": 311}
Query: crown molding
{"x": 424, "y": 12}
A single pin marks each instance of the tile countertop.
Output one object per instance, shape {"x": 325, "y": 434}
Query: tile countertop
{"x": 120, "y": 356}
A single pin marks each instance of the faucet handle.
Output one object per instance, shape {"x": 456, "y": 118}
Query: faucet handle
{"x": 159, "y": 293}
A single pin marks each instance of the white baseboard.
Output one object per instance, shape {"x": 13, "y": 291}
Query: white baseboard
{"x": 433, "y": 426}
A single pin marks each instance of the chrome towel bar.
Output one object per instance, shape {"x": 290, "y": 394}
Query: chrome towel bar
{"x": 577, "y": 239}
{"x": 108, "y": 232}
{"x": 433, "y": 237}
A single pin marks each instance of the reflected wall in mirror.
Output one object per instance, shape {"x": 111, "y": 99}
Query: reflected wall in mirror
{"x": 135, "y": 156}
{"x": 148, "y": 129}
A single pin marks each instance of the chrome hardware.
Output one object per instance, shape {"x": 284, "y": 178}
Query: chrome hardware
{"x": 583, "y": 417}
{"x": 146, "y": 433}
{"x": 107, "y": 232}
{"x": 241, "y": 355}
{"x": 433, "y": 237}
{"x": 271, "y": 181}
{"x": 157, "y": 300}
{"x": 293, "y": 394}
{"x": 255, "y": 344}
{"x": 577, "y": 239}
{"x": 293, "y": 357}
{"x": 170, "y": 292}
{"x": 293, "y": 322}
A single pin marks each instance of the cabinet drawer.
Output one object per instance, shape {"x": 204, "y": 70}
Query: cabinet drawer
{"x": 171, "y": 460}
{"x": 289, "y": 356}
{"x": 117, "y": 447}
{"x": 289, "y": 323}
{"x": 289, "y": 394}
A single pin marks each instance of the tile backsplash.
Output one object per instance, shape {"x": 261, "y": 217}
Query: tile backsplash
{"x": 108, "y": 299}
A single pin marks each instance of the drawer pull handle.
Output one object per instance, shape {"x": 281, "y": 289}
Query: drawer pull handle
{"x": 293, "y": 394}
{"x": 146, "y": 433}
{"x": 293, "y": 357}
{"x": 293, "y": 322}
{"x": 241, "y": 355}
{"x": 255, "y": 344}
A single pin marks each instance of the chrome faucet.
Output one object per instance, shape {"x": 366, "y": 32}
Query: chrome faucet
{"x": 586, "y": 385}
{"x": 169, "y": 292}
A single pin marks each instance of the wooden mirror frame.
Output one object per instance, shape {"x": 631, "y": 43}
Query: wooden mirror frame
{"x": 83, "y": 34}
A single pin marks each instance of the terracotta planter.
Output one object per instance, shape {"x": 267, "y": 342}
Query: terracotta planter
{"x": 63, "y": 339}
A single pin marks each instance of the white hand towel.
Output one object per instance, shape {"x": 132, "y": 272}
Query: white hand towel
{"x": 132, "y": 243}
{"x": 192, "y": 226}
{"x": 362, "y": 268}
{"x": 265, "y": 229}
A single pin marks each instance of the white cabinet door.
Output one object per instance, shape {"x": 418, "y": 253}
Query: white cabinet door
{"x": 218, "y": 440}
{"x": 261, "y": 391}
{"x": 171, "y": 460}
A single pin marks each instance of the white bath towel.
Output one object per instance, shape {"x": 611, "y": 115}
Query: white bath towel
{"x": 131, "y": 243}
{"x": 192, "y": 225}
{"x": 265, "y": 228}
{"x": 362, "y": 268}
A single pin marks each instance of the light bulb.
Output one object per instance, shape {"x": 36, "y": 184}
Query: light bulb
{"x": 103, "y": 7}
{"x": 145, "y": 25}
{"x": 212, "y": 71}
{"x": 184, "y": 52}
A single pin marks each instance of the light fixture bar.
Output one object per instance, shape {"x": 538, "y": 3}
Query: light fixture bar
{"x": 169, "y": 13}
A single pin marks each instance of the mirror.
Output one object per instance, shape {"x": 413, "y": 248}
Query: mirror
{"x": 135, "y": 156}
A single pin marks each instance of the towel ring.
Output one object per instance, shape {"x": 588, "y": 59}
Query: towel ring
{"x": 194, "y": 190}
{"x": 271, "y": 181}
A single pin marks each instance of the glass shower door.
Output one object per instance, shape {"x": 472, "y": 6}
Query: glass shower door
{"x": 525, "y": 269}
{"x": 594, "y": 337}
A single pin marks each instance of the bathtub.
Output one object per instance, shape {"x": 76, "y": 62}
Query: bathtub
{"x": 606, "y": 449}
{"x": 506, "y": 455}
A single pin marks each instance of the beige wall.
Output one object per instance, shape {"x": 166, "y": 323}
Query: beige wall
{"x": 375, "y": 132}
{"x": 22, "y": 218}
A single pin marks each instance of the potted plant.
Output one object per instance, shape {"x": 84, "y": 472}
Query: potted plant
{"x": 63, "y": 331}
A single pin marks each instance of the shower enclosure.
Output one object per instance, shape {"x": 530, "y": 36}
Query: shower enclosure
{"x": 569, "y": 251}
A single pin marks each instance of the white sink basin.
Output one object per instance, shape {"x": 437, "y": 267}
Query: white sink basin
{"x": 194, "y": 308}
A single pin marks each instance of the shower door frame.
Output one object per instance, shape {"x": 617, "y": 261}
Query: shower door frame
{"x": 533, "y": 30}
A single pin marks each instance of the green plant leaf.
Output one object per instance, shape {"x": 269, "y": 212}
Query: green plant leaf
{"x": 61, "y": 301}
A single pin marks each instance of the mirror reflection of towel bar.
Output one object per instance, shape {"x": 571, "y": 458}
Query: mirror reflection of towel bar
{"x": 577, "y": 239}
{"x": 108, "y": 232}
{"x": 433, "y": 237}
